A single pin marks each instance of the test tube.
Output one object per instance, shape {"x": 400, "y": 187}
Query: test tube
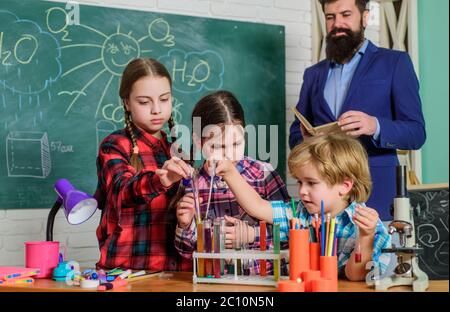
{"x": 238, "y": 244}
{"x": 262, "y": 246}
{"x": 208, "y": 246}
{"x": 217, "y": 239}
{"x": 244, "y": 242}
{"x": 358, "y": 256}
{"x": 237, "y": 235}
{"x": 276, "y": 250}
{"x": 200, "y": 248}
{"x": 195, "y": 192}
{"x": 222, "y": 243}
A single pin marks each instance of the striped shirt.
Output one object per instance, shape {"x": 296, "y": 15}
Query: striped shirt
{"x": 346, "y": 232}
{"x": 136, "y": 229}
{"x": 264, "y": 180}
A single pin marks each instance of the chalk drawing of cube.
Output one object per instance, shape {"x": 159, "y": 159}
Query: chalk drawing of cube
{"x": 28, "y": 154}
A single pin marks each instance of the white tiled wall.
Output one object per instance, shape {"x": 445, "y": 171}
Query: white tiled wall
{"x": 18, "y": 226}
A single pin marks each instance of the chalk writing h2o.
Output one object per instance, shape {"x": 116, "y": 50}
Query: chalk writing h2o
{"x": 23, "y": 51}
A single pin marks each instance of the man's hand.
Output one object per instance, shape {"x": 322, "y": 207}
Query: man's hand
{"x": 355, "y": 123}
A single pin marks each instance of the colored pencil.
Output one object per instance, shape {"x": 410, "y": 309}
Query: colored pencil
{"x": 322, "y": 208}
{"x": 331, "y": 238}
{"x": 141, "y": 277}
{"x": 316, "y": 217}
{"x": 335, "y": 246}
{"x": 293, "y": 208}
{"x": 327, "y": 234}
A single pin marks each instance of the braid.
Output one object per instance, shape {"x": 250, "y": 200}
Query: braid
{"x": 135, "y": 160}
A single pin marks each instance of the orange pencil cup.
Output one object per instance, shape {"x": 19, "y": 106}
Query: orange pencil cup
{"x": 290, "y": 286}
{"x": 329, "y": 270}
{"x": 314, "y": 256}
{"x": 308, "y": 277}
{"x": 298, "y": 252}
{"x": 322, "y": 285}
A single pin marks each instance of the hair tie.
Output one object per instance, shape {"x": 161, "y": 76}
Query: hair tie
{"x": 135, "y": 149}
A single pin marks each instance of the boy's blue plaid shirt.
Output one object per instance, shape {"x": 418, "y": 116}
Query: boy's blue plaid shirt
{"x": 345, "y": 232}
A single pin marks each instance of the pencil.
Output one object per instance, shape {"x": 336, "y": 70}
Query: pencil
{"x": 335, "y": 246}
{"x": 331, "y": 238}
{"x": 141, "y": 277}
{"x": 312, "y": 233}
{"x": 323, "y": 228}
{"x": 327, "y": 235}
{"x": 316, "y": 217}
{"x": 293, "y": 208}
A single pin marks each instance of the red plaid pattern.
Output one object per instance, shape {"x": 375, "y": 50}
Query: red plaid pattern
{"x": 136, "y": 229}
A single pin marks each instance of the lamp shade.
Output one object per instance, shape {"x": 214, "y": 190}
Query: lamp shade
{"x": 78, "y": 206}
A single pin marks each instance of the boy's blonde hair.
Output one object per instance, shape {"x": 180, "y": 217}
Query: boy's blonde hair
{"x": 336, "y": 157}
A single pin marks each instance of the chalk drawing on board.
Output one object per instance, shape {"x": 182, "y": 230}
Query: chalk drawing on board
{"x": 71, "y": 93}
{"x": 113, "y": 112}
{"x": 29, "y": 56}
{"x": 428, "y": 235}
{"x": 115, "y": 52}
{"x": 192, "y": 72}
{"x": 176, "y": 110}
{"x": 176, "y": 114}
{"x": 431, "y": 209}
{"x": 441, "y": 254}
{"x": 28, "y": 154}
{"x": 159, "y": 31}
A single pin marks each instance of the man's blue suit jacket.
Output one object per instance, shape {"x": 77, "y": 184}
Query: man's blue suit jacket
{"x": 385, "y": 86}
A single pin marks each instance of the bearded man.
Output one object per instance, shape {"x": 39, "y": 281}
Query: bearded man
{"x": 372, "y": 92}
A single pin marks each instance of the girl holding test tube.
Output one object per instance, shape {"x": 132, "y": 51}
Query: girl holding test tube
{"x": 221, "y": 139}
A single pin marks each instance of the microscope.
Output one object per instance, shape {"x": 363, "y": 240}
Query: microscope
{"x": 407, "y": 271}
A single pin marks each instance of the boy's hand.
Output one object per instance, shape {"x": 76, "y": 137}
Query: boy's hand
{"x": 186, "y": 210}
{"x": 366, "y": 219}
{"x": 225, "y": 168}
{"x": 230, "y": 231}
{"x": 173, "y": 171}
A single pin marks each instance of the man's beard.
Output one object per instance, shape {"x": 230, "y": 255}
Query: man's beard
{"x": 342, "y": 48}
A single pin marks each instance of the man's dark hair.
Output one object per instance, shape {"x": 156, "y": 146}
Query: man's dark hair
{"x": 361, "y": 4}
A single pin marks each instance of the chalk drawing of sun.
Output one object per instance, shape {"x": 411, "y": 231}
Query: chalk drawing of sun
{"x": 115, "y": 52}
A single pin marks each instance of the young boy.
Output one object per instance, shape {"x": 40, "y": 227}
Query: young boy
{"x": 332, "y": 168}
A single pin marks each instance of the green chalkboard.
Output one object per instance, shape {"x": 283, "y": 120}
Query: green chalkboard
{"x": 60, "y": 69}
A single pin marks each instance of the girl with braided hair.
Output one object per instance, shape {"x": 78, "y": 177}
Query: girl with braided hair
{"x": 137, "y": 177}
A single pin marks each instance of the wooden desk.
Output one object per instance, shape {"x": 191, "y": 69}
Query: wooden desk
{"x": 182, "y": 282}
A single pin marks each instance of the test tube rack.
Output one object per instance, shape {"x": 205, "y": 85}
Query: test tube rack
{"x": 234, "y": 255}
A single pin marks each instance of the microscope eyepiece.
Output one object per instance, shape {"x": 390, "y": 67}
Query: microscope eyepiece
{"x": 402, "y": 191}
